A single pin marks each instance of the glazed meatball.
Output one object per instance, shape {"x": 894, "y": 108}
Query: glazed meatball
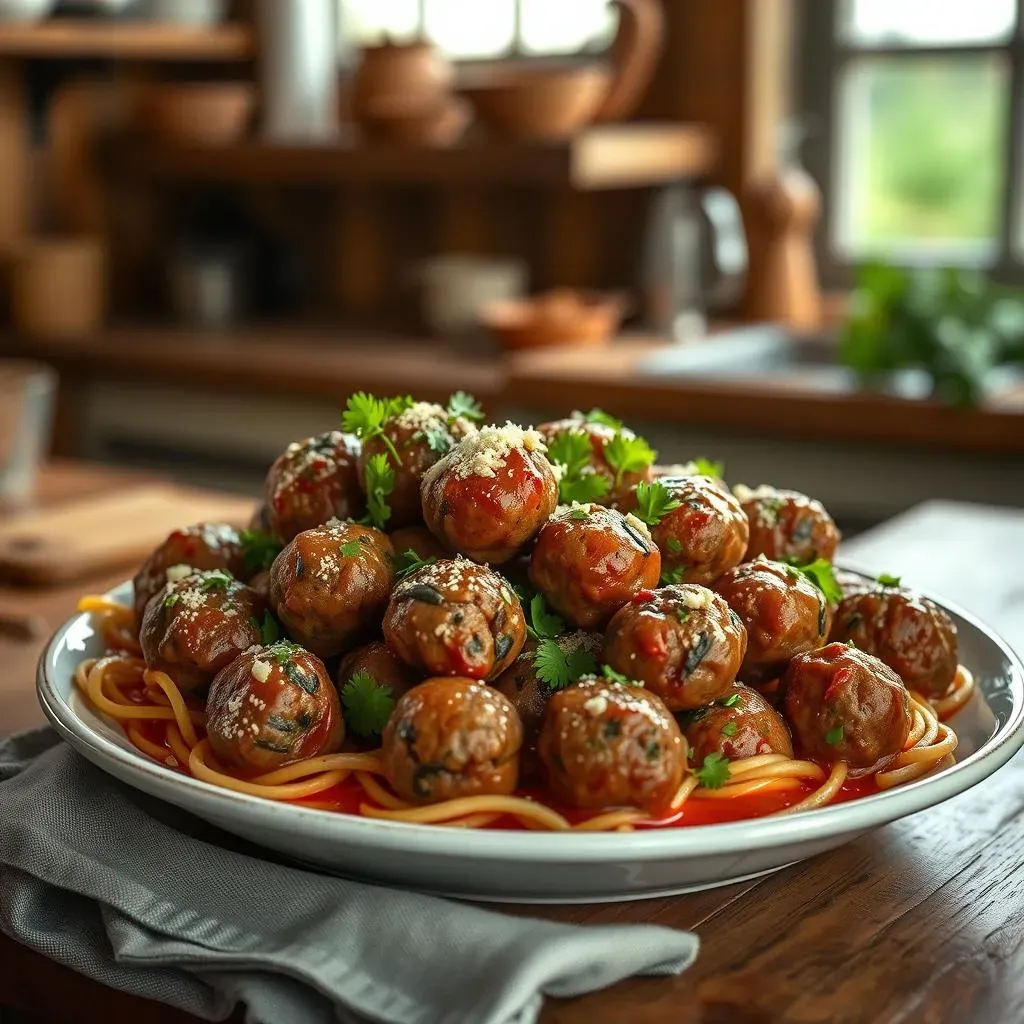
{"x": 198, "y": 624}
{"x": 455, "y": 618}
{"x": 204, "y": 546}
{"x": 910, "y": 633}
{"x": 330, "y": 585}
{"x": 701, "y": 469}
{"x": 617, "y": 486}
{"x": 787, "y": 524}
{"x": 376, "y": 660}
{"x": 488, "y": 497}
{"x": 261, "y": 519}
{"x": 590, "y": 560}
{"x": 312, "y": 482}
{"x": 702, "y": 537}
{"x": 740, "y": 724}
{"x": 845, "y": 705}
{"x": 682, "y": 642}
{"x": 784, "y": 614}
{"x": 452, "y": 737}
{"x": 419, "y": 540}
{"x": 418, "y": 436}
{"x": 529, "y": 694}
{"x": 608, "y": 745}
{"x": 272, "y": 706}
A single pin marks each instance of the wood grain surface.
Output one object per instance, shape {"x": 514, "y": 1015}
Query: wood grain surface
{"x": 920, "y": 921}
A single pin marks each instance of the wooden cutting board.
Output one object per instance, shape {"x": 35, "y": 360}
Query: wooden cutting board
{"x": 99, "y": 534}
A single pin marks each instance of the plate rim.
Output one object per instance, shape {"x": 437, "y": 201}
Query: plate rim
{"x": 542, "y": 847}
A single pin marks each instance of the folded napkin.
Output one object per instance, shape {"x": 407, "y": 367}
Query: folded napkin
{"x": 144, "y": 898}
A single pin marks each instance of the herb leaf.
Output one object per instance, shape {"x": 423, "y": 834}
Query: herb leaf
{"x": 558, "y": 669}
{"x": 215, "y": 579}
{"x": 706, "y": 467}
{"x": 350, "y": 549}
{"x": 730, "y": 729}
{"x": 820, "y": 573}
{"x": 380, "y": 482}
{"x": 409, "y": 562}
{"x": 283, "y": 650}
{"x": 544, "y": 624}
{"x": 579, "y": 481}
{"x": 628, "y": 455}
{"x": 654, "y": 501}
{"x": 617, "y": 677}
{"x": 366, "y": 415}
{"x": 672, "y": 574}
{"x": 368, "y": 704}
{"x": 834, "y": 736}
{"x": 600, "y": 416}
{"x": 461, "y": 403}
{"x": 714, "y": 772}
{"x": 730, "y": 701}
{"x": 259, "y": 549}
{"x": 889, "y": 581}
{"x": 439, "y": 441}
{"x": 270, "y": 630}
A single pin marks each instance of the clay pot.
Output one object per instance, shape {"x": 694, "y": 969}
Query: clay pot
{"x": 197, "y": 113}
{"x": 400, "y": 81}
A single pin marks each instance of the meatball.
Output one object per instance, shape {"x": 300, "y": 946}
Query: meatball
{"x": 845, "y": 705}
{"x": 419, "y": 540}
{"x": 260, "y": 519}
{"x": 413, "y": 441}
{"x": 330, "y": 585}
{"x": 529, "y": 694}
{"x": 741, "y": 724}
{"x": 617, "y": 486}
{"x": 452, "y": 737}
{"x": 787, "y": 524}
{"x": 204, "y": 546}
{"x": 198, "y": 624}
{"x": 272, "y": 706}
{"x": 682, "y": 642}
{"x": 702, "y": 537}
{"x": 910, "y": 633}
{"x": 703, "y": 468}
{"x": 455, "y": 618}
{"x": 589, "y": 561}
{"x": 607, "y": 745}
{"x": 784, "y": 613}
{"x": 488, "y": 497}
{"x": 313, "y": 481}
{"x": 376, "y": 660}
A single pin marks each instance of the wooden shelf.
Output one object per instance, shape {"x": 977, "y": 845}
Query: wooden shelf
{"x": 613, "y": 156}
{"x": 125, "y": 40}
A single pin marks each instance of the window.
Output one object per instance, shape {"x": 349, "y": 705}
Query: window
{"x": 484, "y": 29}
{"x": 914, "y": 112}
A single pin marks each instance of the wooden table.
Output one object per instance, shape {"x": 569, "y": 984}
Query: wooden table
{"x": 918, "y": 921}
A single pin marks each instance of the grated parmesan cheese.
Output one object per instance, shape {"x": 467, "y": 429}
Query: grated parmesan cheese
{"x": 261, "y": 670}
{"x": 178, "y": 572}
{"x": 696, "y": 598}
{"x": 596, "y": 705}
{"x": 639, "y": 525}
{"x": 485, "y": 453}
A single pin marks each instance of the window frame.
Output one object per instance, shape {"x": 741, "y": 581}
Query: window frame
{"x": 823, "y": 57}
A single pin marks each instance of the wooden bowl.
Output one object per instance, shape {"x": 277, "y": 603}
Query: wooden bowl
{"x": 197, "y": 113}
{"x": 537, "y": 103}
{"x": 563, "y": 317}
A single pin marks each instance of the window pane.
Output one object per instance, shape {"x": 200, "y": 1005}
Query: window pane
{"x": 924, "y": 22}
{"x": 565, "y": 27}
{"x": 366, "y": 22}
{"x": 472, "y": 30}
{"x": 921, "y": 153}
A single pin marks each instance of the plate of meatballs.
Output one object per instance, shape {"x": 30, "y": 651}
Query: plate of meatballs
{"x": 517, "y": 663}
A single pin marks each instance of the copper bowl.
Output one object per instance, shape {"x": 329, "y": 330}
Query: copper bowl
{"x": 197, "y": 113}
{"x": 564, "y": 317}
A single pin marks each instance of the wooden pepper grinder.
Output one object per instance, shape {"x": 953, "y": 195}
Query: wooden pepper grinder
{"x": 780, "y": 210}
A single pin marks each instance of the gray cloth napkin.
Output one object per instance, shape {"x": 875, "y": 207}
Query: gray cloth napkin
{"x": 119, "y": 887}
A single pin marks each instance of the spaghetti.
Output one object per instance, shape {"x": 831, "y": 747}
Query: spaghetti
{"x": 161, "y": 722}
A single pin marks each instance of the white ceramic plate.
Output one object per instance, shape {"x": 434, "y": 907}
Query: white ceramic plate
{"x": 535, "y": 866}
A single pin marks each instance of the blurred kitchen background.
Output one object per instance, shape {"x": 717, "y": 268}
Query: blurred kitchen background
{"x": 784, "y": 235}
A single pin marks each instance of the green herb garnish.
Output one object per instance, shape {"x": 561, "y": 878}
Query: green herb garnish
{"x": 215, "y": 579}
{"x": 706, "y": 467}
{"x": 579, "y": 514}
{"x": 259, "y": 549}
{"x": 682, "y": 615}
{"x": 350, "y": 549}
{"x": 654, "y": 501}
{"x": 730, "y": 729}
{"x": 671, "y": 575}
{"x": 270, "y": 630}
{"x": 889, "y": 581}
{"x": 673, "y": 546}
{"x": 439, "y": 441}
{"x": 714, "y": 772}
{"x": 579, "y": 481}
{"x": 834, "y": 736}
{"x": 558, "y": 669}
{"x": 171, "y": 600}
{"x": 543, "y": 624}
{"x": 368, "y": 704}
{"x": 730, "y": 701}
{"x": 628, "y": 455}
{"x": 283, "y": 651}
{"x": 366, "y": 416}
{"x": 600, "y": 416}
{"x": 617, "y": 677}
{"x": 409, "y": 562}
{"x": 821, "y": 574}
{"x": 463, "y": 404}
{"x": 380, "y": 482}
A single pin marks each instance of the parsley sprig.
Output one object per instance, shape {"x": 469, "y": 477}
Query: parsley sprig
{"x": 557, "y": 668}
{"x": 579, "y": 481}
{"x": 654, "y": 502}
{"x": 714, "y": 772}
{"x": 672, "y": 574}
{"x": 269, "y": 629}
{"x": 215, "y": 579}
{"x": 350, "y": 548}
{"x": 368, "y": 705}
{"x": 887, "y": 580}
{"x": 628, "y": 455}
{"x": 821, "y": 574}
{"x": 543, "y": 624}
{"x": 409, "y": 562}
{"x": 462, "y": 404}
{"x": 380, "y": 482}
{"x": 283, "y": 651}
{"x": 706, "y": 467}
{"x": 366, "y": 416}
{"x": 259, "y": 549}
{"x": 617, "y": 677}
{"x": 600, "y": 416}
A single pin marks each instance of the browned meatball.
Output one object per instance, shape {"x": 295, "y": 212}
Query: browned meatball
{"x": 419, "y": 436}
{"x": 784, "y": 613}
{"x": 701, "y": 469}
{"x": 452, "y": 737}
{"x": 910, "y": 633}
{"x": 204, "y": 546}
{"x": 260, "y": 518}
{"x": 419, "y": 540}
{"x": 313, "y": 481}
{"x": 198, "y": 624}
{"x": 376, "y": 660}
{"x": 529, "y": 694}
{"x": 682, "y": 642}
{"x": 787, "y": 524}
{"x": 704, "y": 536}
{"x": 589, "y": 561}
{"x": 608, "y": 745}
{"x": 846, "y": 705}
{"x": 740, "y": 724}
{"x": 616, "y": 486}
{"x": 330, "y": 585}
{"x": 272, "y": 706}
{"x": 455, "y": 618}
{"x": 488, "y": 497}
